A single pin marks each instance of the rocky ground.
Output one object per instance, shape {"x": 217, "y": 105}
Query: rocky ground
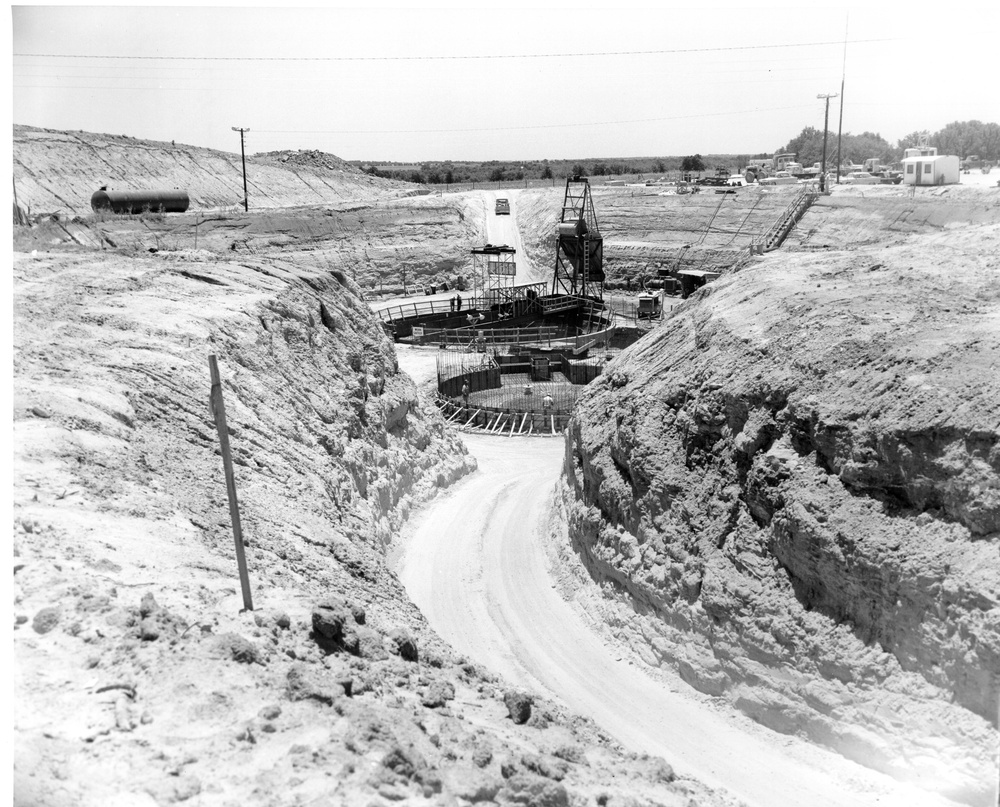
{"x": 793, "y": 486}
{"x": 140, "y": 678}
{"x": 789, "y": 491}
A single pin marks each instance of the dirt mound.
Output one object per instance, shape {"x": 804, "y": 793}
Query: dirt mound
{"x": 798, "y": 487}
{"x": 58, "y": 172}
{"x": 308, "y": 159}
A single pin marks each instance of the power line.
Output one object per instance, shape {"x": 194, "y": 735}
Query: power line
{"x": 473, "y": 57}
{"x": 540, "y": 126}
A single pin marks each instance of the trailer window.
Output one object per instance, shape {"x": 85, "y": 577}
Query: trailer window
{"x": 927, "y": 168}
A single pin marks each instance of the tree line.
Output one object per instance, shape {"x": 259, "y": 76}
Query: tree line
{"x": 962, "y": 138}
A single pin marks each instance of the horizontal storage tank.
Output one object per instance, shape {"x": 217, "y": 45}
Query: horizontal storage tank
{"x": 140, "y": 201}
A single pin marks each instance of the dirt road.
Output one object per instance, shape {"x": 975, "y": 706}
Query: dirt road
{"x": 475, "y": 563}
{"x": 504, "y": 230}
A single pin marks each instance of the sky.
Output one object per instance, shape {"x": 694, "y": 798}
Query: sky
{"x": 501, "y": 83}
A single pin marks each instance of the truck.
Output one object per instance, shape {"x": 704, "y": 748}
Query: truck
{"x": 760, "y": 169}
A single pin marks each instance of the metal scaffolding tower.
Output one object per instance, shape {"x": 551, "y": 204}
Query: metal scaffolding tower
{"x": 494, "y": 272}
{"x": 579, "y": 268}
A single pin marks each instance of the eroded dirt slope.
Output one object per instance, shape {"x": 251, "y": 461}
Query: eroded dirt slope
{"x": 139, "y": 679}
{"x": 57, "y": 172}
{"x": 646, "y": 229}
{"x": 795, "y": 484}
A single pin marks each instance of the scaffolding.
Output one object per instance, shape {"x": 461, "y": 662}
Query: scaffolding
{"x": 579, "y": 268}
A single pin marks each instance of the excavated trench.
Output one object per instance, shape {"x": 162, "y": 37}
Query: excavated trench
{"x": 803, "y": 520}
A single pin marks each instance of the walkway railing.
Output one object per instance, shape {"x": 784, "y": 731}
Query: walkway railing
{"x": 776, "y": 234}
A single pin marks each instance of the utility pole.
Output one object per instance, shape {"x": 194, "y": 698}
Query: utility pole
{"x": 246, "y": 200}
{"x": 826, "y": 122}
{"x": 843, "y": 77}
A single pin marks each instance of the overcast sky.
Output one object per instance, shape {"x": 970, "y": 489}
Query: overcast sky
{"x": 501, "y": 83}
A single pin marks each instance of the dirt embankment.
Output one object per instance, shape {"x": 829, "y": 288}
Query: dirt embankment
{"x": 58, "y": 172}
{"x": 794, "y": 487}
{"x": 646, "y": 229}
{"x": 315, "y": 210}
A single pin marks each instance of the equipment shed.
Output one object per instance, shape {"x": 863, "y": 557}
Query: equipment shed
{"x": 932, "y": 169}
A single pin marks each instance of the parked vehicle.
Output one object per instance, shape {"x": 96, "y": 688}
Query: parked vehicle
{"x": 502, "y": 207}
{"x": 780, "y": 178}
{"x": 649, "y": 306}
{"x": 860, "y": 178}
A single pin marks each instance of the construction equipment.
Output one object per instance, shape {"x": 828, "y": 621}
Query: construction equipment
{"x": 579, "y": 268}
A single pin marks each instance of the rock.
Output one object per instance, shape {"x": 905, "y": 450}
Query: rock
{"x": 270, "y": 617}
{"x": 149, "y": 630}
{"x": 482, "y": 756}
{"x": 571, "y": 753}
{"x": 369, "y": 644}
{"x": 403, "y": 643}
{"x": 329, "y": 618}
{"x": 438, "y": 694}
{"x": 271, "y": 712}
{"x": 306, "y": 683}
{"x": 544, "y": 765}
{"x": 45, "y": 620}
{"x": 408, "y": 765}
{"x": 148, "y": 605}
{"x": 518, "y": 705}
{"x": 537, "y": 791}
{"x": 661, "y": 771}
{"x": 471, "y": 784}
{"x": 237, "y": 648}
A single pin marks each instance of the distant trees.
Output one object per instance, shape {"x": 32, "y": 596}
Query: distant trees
{"x": 578, "y": 171}
{"x": 808, "y": 147}
{"x": 693, "y": 163}
{"x": 546, "y": 173}
{"x": 965, "y": 138}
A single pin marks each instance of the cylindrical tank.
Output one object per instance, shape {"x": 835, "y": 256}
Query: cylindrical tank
{"x": 572, "y": 228}
{"x": 140, "y": 201}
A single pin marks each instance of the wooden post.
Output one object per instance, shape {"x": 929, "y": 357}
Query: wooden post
{"x": 219, "y": 413}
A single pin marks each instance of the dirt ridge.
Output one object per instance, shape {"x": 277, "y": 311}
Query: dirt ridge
{"x": 796, "y": 484}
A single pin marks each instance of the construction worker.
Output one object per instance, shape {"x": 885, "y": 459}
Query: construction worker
{"x": 465, "y": 391}
{"x": 547, "y": 402}
{"x": 458, "y": 302}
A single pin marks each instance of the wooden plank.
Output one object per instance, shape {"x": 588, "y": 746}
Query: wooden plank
{"x": 219, "y": 413}
{"x": 473, "y": 417}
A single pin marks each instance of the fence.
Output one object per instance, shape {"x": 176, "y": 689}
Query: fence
{"x": 519, "y": 381}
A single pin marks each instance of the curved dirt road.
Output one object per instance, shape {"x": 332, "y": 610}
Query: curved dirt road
{"x": 475, "y": 564}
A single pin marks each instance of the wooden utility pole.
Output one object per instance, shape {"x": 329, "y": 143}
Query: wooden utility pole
{"x": 826, "y": 122}
{"x": 219, "y": 413}
{"x": 843, "y": 77}
{"x": 243, "y": 154}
